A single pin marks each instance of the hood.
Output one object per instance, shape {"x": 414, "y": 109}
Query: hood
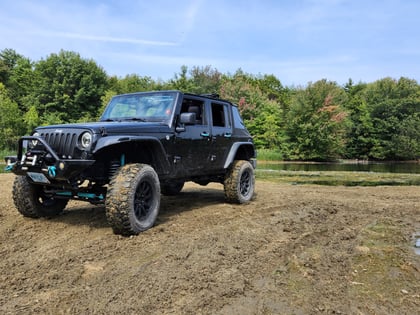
{"x": 114, "y": 127}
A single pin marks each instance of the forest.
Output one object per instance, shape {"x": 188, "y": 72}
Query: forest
{"x": 321, "y": 121}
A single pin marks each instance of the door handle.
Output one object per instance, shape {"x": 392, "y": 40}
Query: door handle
{"x": 205, "y": 134}
{"x": 228, "y": 135}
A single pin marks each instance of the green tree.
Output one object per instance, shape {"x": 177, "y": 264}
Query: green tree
{"x": 317, "y": 121}
{"x": 8, "y": 60}
{"x": 407, "y": 139}
{"x": 69, "y": 88}
{"x": 31, "y": 119}
{"x": 4, "y": 71}
{"x": 239, "y": 89}
{"x": 132, "y": 83}
{"x": 182, "y": 81}
{"x": 266, "y": 128}
{"x": 22, "y": 81}
{"x": 360, "y": 126}
{"x": 205, "y": 80}
{"x": 262, "y": 116}
{"x": 11, "y": 123}
{"x": 16, "y": 73}
{"x": 391, "y": 103}
{"x": 272, "y": 88}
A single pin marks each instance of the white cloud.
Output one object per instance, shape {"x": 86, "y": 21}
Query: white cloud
{"x": 103, "y": 38}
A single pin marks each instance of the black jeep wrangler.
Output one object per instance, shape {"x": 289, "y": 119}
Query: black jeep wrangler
{"x": 145, "y": 144}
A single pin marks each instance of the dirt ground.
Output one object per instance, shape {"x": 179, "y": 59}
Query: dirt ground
{"x": 293, "y": 250}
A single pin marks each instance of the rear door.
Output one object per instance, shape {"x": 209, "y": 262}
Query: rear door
{"x": 221, "y": 133}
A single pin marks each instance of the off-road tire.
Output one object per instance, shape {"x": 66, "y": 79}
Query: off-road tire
{"x": 133, "y": 199}
{"x": 31, "y": 201}
{"x": 239, "y": 183}
{"x": 172, "y": 188}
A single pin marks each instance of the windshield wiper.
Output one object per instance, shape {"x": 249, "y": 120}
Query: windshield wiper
{"x": 134, "y": 119}
{"x": 125, "y": 119}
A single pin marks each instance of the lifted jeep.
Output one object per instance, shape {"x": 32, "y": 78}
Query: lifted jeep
{"x": 145, "y": 144}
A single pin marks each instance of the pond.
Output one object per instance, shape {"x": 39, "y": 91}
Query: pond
{"x": 379, "y": 167}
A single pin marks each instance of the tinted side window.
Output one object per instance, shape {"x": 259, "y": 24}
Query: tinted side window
{"x": 220, "y": 115}
{"x": 197, "y": 107}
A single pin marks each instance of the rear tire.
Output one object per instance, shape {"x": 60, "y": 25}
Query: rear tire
{"x": 133, "y": 199}
{"x": 31, "y": 200}
{"x": 239, "y": 183}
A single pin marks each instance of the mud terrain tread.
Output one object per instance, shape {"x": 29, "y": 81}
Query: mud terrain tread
{"x": 118, "y": 203}
{"x": 232, "y": 182}
{"x": 25, "y": 198}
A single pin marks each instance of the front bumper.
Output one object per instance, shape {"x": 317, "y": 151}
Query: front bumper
{"x": 43, "y": 160}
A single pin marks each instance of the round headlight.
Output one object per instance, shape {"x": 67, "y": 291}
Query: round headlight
{"x": 86, "y": 140}
{"x": 35, "y": 142}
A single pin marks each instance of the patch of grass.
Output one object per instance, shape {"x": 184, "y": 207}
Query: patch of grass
{"x": 269, "y": 155}
{"x": 335, "y": 178}
{"x": 384, "y": 268}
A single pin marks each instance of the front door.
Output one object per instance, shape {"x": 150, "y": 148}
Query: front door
{"x": 194, "y": 144}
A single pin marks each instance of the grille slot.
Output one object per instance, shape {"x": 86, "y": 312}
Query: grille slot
{"x": 63, "y": 143}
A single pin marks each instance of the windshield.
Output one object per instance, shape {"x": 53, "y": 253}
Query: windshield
{"x": 157, "y": 107}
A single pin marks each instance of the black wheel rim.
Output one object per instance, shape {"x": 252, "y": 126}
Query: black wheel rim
{"x": 245, "y": 183}
{"x": 143, "y": 200}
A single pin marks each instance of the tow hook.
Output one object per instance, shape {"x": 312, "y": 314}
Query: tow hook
{"x": 52, "y": 171}
{"x": 9, "y": 167}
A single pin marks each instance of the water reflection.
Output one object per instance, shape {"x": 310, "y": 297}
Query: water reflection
{"x": 417, "y": 250}
{"x": 417, "y": 243}
{"x": 412, "y": 168}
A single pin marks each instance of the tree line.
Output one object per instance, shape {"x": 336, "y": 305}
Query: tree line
{"x": 320, "y": 121}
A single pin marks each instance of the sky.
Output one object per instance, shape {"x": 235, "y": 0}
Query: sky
{"x": 297, "y": 41}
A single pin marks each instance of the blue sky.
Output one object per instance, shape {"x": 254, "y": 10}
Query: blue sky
{"x": 297, "y": 41}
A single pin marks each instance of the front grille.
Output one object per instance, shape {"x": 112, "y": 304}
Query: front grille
{"x": 63, "y": 143}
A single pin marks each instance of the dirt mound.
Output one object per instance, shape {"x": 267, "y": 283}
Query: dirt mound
{"x": 294, "y": 249}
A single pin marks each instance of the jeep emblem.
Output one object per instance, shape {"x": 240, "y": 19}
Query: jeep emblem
{"x": 58, "y": 130}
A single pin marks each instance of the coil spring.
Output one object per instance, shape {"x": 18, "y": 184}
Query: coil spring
{"x": 113, "y": 167}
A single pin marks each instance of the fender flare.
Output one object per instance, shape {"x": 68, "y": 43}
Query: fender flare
{"x": 160, "y": 154}
{"x": 249, "y": 149}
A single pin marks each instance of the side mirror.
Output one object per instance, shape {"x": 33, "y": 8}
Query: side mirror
{"x": 187, "y": 118}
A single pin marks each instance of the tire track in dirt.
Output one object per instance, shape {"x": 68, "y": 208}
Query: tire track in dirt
{"x": 291, "y": 250}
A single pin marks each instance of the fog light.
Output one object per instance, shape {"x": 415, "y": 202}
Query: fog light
{"x": 61, "y": 166}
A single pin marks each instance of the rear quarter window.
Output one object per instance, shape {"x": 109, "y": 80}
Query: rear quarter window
{"x": 237, "y": 119}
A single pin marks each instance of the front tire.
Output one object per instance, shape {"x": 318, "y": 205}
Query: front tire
{"x": 32, "y": 201}
{"x": 133, "y": 199}
{"x": 239, "y": 183}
